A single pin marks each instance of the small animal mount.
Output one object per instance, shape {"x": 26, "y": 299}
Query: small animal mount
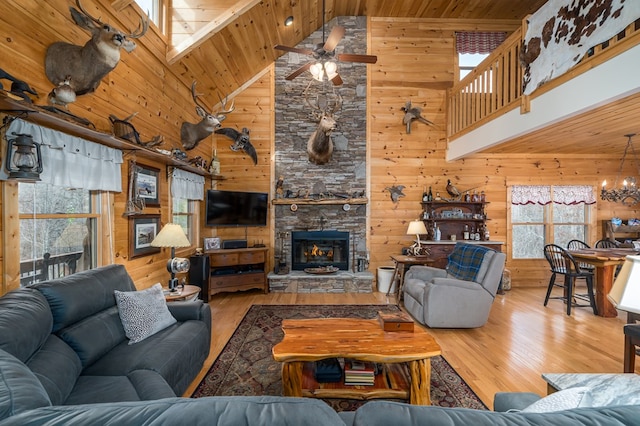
{"x": 191, "y": 134}
{"x": 396, "y": 192}
{"x": 125, "y": 130}
{"x": 18, "y": 87}
{"x": 240, "y": 141}
{"x": 320, "y": 145}
{"x": 412, "y": 114}
{"x": 83, "y": 67}
{"x": 63, "y": 94}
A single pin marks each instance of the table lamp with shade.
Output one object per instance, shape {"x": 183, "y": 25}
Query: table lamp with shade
{"x": 172, "y": 235}
{"x": 416, "y": 227}
{"x": 625, "y": 293}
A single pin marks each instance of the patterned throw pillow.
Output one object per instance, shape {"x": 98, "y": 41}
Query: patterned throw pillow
{"x": 143, "y": 313}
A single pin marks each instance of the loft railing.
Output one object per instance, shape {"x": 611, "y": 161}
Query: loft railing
{"x": 48, "y": 267}
{"x": 494, "y": 87}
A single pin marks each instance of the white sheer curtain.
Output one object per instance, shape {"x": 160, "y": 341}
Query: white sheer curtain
{"x": 562, "y": 194}
{"x": 72, "y": 162}
{"x": 187, "y": 185}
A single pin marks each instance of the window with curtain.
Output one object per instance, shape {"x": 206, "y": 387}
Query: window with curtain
{"x": 550, "y": 214}
{"x": 186, "y": 189}
{"x": 59, "y": 216}
{"x": 473, "y": 47}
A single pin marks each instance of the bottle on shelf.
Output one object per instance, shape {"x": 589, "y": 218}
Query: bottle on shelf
{"x": 474, "y": 197}
{"x": 487, "y": 234}
{"x": 438, "y": 198}
{"x": 465, "y": 234}
{"x": 425, "y": 194}
{"x": 214, "y": 168}
{"x": 437, "y": 234}
{"x": 430, "y": 195}
{"x": 483, "y": 197}
{"x": 467, "y": 197}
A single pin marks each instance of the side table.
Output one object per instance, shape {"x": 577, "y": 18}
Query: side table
{"x": 402, "y": 262}
{"x": 189, "y": 292}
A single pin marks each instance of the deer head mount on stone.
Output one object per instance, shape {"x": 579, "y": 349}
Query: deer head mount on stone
{"x": 192, "y": 133}
{"x": 320, "y": 145}
{"x": 83, "y": 67}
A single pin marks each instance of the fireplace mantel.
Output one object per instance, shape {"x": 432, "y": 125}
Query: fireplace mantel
{"x": 325, "y": 201}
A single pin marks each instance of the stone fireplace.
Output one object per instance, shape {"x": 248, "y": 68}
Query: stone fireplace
{"x": 315, "y": 198}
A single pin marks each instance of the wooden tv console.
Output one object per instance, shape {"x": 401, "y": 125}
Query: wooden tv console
{"x": 237, "y": 269}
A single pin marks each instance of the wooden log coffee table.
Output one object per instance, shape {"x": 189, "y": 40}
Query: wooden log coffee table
{"x": 308, "y": 340}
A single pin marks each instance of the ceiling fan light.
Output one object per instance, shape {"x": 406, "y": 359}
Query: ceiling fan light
{"x": 330, "y": 67}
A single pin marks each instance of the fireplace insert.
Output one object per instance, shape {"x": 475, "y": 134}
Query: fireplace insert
{"x": 313, "y": 249}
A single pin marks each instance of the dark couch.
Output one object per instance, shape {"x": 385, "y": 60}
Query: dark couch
{"x": 62, "y": 343}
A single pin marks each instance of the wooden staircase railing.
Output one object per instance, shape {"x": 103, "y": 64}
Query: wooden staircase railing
{"x": 494, "y": 87}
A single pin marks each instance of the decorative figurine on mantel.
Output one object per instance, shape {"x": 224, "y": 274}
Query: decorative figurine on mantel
{"x": 279, "y": 187}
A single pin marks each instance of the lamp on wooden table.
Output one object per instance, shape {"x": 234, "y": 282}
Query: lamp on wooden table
{"x": 173, "y": 236}
{"x": 625, "y": 293}
{"x": 416, "y": 227}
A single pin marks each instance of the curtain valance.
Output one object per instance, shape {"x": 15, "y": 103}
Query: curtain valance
{"x": 479, "y": 42}
{"x": 187, "y": 185}
{"x": 541, "y": 194}
{"x": 72, "y": 162}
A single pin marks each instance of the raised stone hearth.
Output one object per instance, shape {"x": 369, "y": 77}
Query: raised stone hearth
{"x": 339, "y": 282}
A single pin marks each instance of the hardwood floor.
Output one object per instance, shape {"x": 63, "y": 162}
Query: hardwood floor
{"x": 521, "y": 340}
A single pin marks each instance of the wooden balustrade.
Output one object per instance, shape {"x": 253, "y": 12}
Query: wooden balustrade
{"x": 48, "y": 267}
{"x": 494, "y": 87}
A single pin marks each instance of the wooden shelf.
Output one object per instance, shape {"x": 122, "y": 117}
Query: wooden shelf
{"x": 44, "y": 118}
{"x": 322, "y": 201}
{"x": 392, "y": 383}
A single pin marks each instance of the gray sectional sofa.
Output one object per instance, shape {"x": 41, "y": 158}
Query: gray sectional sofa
{"x": 65, "y": 360}
{"x": 62, "y": 342}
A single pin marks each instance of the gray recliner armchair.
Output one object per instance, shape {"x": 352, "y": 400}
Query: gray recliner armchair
{"x": 459, "y": 296}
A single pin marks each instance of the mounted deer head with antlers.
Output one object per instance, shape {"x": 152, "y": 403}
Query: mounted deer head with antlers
{"x": 320, "y": 145}
{"x": 191, "y": 134}
{"x": 85, "y": 66}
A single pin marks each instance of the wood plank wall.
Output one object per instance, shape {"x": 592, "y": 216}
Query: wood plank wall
{"x": 416, "y": 62}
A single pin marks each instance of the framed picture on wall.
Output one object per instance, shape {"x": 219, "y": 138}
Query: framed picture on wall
{"x": 142, "y": 230}
{"x": 147, "y": 184}
{"x": 211, "y": 244}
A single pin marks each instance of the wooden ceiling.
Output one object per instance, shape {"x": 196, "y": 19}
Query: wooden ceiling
{"x": 230, "y": 48}
{"x": 237, "y": 44}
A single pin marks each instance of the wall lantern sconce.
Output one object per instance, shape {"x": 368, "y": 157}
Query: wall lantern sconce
{"x": 24, "y": 159}
{"x": 289, "y": 21}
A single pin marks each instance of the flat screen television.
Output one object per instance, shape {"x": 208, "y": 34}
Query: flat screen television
{"x": 236, "y": 208}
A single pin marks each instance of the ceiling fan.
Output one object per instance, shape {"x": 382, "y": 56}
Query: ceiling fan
{"x": 323, "y": 63}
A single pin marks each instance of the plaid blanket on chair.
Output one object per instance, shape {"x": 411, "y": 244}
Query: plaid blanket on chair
{"x": 465, "y": 261}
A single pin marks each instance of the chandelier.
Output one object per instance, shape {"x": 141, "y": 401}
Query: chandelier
{"x": 629, "y": 193}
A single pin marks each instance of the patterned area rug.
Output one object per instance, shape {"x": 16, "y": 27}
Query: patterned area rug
{"x": 246, "y": 367}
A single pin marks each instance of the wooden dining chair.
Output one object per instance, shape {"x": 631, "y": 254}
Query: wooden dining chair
{"x": 605, "y": 243}
{"x": 562, "y": 263}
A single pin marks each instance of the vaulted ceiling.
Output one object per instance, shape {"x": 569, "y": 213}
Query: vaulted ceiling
{"x": 226, "y": 43}
{"x": 227, "y": 47}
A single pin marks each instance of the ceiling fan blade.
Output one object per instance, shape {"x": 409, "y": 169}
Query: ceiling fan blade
{"x": 337, "y": 80}
{"x": 349, "y": 57}
{"x": 299, "y": 71}
{"x": 334, "y": 38}
{"x": 293, "y": 49}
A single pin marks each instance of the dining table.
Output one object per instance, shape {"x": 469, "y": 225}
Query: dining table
{"x": 605, "y": 261}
